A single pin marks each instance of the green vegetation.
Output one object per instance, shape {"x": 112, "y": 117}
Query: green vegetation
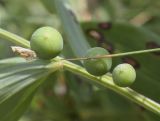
{"x": 73, "y": 77}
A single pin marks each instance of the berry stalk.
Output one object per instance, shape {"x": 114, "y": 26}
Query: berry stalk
{"x": 115, "y": 55}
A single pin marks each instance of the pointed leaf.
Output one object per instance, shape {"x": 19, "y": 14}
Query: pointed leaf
{"x": 18, "y": 82}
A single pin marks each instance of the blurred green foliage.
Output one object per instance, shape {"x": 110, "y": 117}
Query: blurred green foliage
{"x": 111, "y": 24}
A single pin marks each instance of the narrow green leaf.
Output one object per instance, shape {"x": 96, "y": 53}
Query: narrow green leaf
{"x": 76, "y": 39}
{"x": 18, "y": 83}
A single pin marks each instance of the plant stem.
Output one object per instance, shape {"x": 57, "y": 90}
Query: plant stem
{"x": 14, "y": 38}
{"x": 115, "y": 55}
{"x": 107, "y": 82}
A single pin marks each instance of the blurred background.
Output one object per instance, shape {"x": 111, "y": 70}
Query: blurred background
{"x": 116, "y": 25}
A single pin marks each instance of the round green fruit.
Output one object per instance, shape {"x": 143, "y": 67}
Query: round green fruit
{"x": 47, "y": 42}
{"x": 100, "y": 66}
{"x": 124, "y": 75}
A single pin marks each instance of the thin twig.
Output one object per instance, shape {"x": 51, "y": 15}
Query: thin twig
{"x": 115, "y": 55}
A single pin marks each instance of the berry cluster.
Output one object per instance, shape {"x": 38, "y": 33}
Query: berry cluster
{"x": 123, "y": 74}
{"x": 47, "y": 42}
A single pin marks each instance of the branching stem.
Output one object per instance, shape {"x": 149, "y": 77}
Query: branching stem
{"x": 107, "y": 82}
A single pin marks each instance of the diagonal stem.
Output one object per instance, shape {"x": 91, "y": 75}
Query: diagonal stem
{"x": 107, "y": 82}
{"x": 14, "y": 38}
{"x": 115, "y": 55}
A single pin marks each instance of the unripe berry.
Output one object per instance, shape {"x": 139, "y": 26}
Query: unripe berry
{"x": 124, "y": 75}
{"x": 100, "y": 66}
{"x": 47, "y": 42}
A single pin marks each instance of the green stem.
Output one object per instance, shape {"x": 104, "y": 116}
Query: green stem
{"x": 14, "y": 38}
{"x": 107, "y": 82}
{"x": 115, "y": 55}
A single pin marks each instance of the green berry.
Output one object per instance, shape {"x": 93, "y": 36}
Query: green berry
{"x": 97, "y": 67}
{"x": 124, "y": 75}
{"x": 47, "y": 42}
